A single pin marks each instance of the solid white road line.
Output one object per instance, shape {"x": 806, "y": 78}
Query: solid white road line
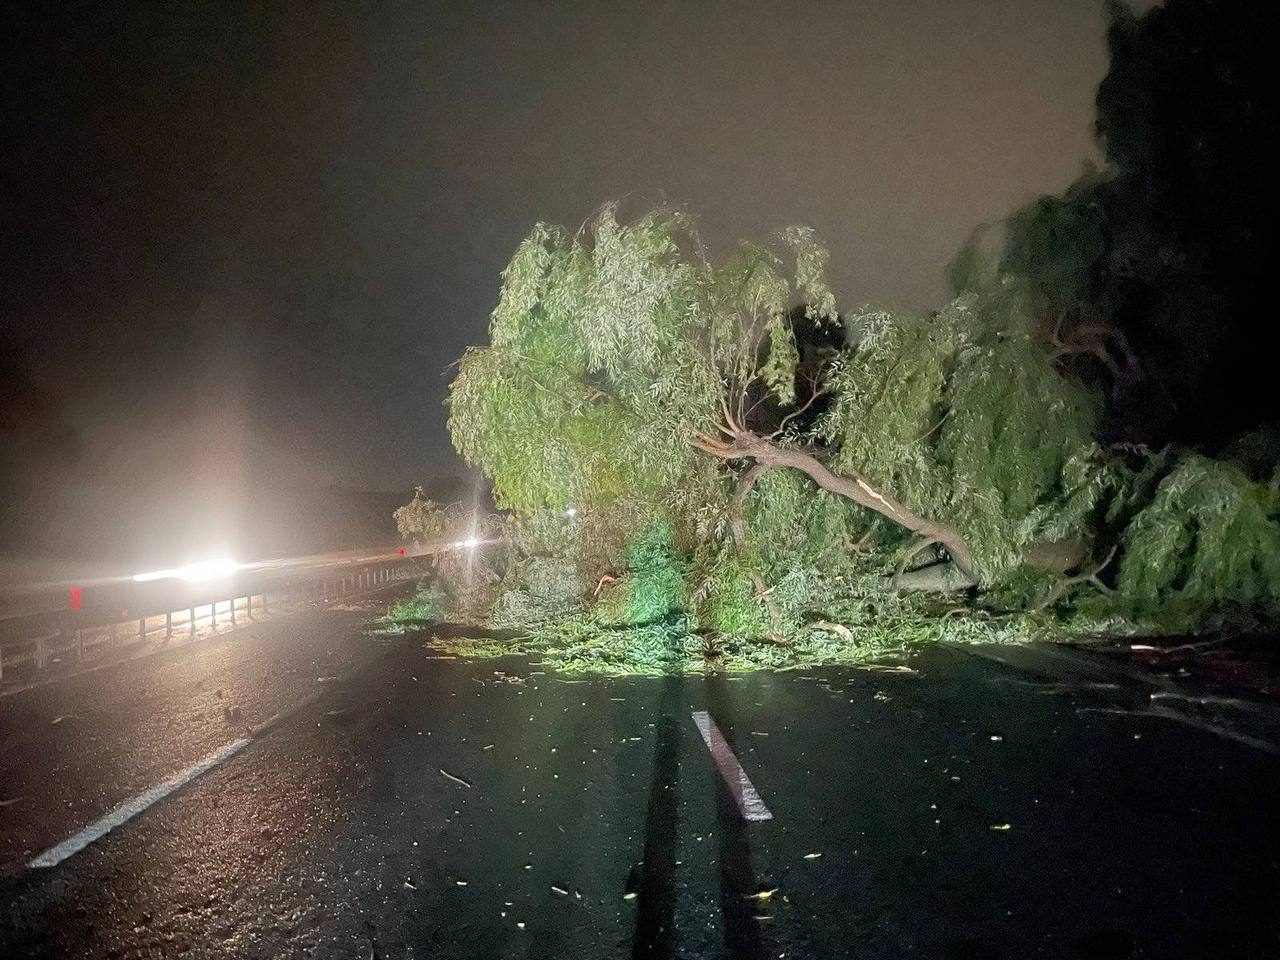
{"x": 749, "y": 802}
{"x": 130, "y": 809}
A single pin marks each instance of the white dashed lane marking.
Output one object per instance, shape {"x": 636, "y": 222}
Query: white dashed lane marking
{"x": 130, "y": 809}
{"x": 744, "y": 794}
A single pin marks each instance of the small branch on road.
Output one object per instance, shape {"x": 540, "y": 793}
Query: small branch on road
{"x": 456, "y": 779}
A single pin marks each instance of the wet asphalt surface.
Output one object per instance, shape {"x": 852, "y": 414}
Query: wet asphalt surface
{"x": 1012, "y": 803}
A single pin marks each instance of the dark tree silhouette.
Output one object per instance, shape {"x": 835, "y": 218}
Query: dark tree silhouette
{"x": 1152, "y": 274}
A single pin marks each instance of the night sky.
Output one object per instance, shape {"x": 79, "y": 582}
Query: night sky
{"x": 243, "y": 242}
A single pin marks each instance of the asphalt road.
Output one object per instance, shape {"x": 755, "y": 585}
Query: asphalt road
{"x": 1010, "y": 803}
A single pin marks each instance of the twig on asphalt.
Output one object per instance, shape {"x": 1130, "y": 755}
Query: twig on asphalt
{"x": 455, "y": 779}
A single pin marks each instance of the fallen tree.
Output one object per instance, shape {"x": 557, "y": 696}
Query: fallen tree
{"x": 629, "y": 379}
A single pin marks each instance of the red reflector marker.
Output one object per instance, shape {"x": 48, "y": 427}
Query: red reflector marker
{"x": 74, "y": 598}
{"x": 402, "y": 551}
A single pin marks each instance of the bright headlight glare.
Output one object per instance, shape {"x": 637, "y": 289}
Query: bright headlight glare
{"x": 204, "y": 570}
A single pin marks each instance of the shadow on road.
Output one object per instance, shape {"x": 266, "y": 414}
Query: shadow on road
{"x": 654, "y": 880}
{"x": 738, "y": 907}
{"x": 655, "y": 915}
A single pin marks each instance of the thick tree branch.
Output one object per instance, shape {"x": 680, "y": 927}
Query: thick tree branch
{"x": 749, "y": 446}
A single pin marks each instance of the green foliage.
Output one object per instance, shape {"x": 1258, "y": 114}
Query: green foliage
{"x": 536, "y": 589}
{"x": 544, "y": 532}
{"x": 791, "y": 521}
{"x": 1208, "y": 541}
{"x": 1014, "y": 428}
{"x": 610, "y": 347}
{"x": 962, "y": 416}
{"x": 1054, "y": 245}
{"x": 589, "y": 369}
{"x": 426, "y": 605}
{"x": 731, "y": 607}
{"x": 880, "y": 626}
{"x": 656, "y": 583}
{"x": 578, "y": 643}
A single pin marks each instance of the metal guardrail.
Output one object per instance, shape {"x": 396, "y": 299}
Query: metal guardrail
{"x": 130, "y": 614}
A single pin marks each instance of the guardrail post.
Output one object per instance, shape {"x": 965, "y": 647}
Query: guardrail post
{"x": 191, "y": 622}
{"x": 142, "y": 629}
{"x": 233, "y": 611}
{"x": 168, "y": 626}
{"x": 40, "y": 652}
{"x": 264, "y": 599}
{"x": 248, "y": 606}
{"x": 213, "y": 613}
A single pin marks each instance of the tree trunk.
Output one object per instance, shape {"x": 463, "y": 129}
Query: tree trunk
{"x": 748, "y": 446}
{"x": 958, "y": 574}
